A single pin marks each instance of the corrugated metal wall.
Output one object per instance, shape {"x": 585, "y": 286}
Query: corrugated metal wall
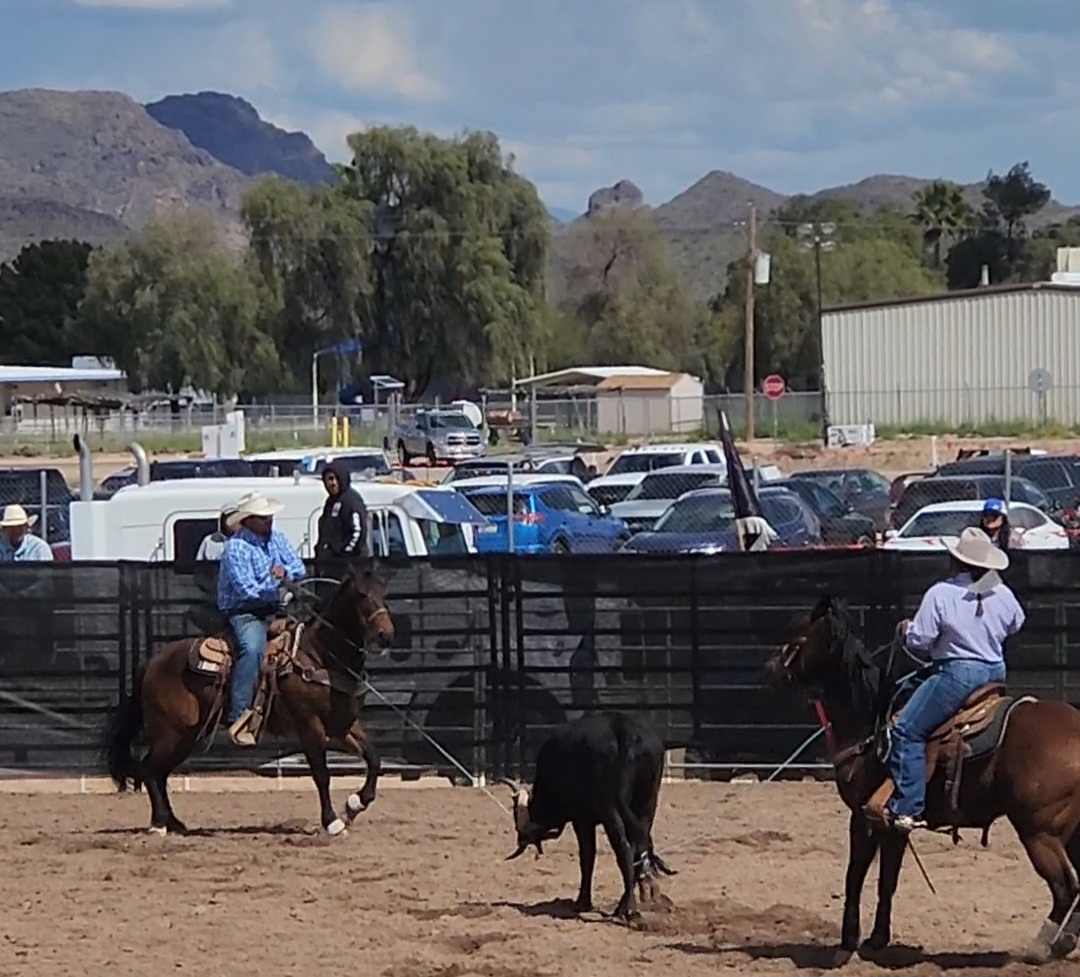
{"x": 955, "y": 361}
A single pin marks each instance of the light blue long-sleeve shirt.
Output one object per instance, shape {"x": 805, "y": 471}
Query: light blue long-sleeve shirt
{"x": 31, "y": 549}
{"x": 947, "y": 624}
{"x": 244, "y": 578}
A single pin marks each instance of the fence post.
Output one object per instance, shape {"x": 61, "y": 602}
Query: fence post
{"x": 1008, "y": 476}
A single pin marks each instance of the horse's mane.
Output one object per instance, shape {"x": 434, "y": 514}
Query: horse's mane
{"x": 870, "y": 678}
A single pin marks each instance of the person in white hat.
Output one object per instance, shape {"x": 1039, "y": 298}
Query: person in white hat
{"x": 256, "y": 560}
{"x": 962, "y": 623}
{"x": 17, "y": 543}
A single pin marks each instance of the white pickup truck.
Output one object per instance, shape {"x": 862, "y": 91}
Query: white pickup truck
{"x": 438, "y": 435}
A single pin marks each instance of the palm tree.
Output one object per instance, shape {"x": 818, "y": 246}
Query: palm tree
{"x": 942, "y": 212}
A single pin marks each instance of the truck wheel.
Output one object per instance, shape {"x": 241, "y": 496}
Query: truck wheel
{"x": 432, "y": 459}
{"x": 403, "y": 455}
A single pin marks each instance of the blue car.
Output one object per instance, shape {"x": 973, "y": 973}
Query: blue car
{"x": 549, "y": 517}
{"x": 703, "y": 521}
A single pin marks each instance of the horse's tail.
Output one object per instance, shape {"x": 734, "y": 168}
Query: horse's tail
{"x": 123, "y": 727}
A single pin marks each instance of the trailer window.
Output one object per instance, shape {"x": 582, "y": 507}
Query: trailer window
{"x": 187, "y": 536}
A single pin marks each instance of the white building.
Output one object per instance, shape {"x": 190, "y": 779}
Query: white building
{"x": 1005, "y": 353}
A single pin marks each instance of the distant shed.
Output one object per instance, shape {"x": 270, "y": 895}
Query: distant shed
{"x": 646, "y": 404}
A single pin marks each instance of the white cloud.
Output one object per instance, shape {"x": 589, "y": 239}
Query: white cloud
{"x": 245, "y": 56}
{"x": 368, "y": 48}
{"x": 154, "y": 4}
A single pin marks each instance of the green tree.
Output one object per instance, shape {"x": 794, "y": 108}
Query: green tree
{"x": 40, "y": 291}
{"x": 457, "y": 267}
{"x": 173, "y": 307}
{"x": 309, "y": 254}
{"x": 1013, "y": 197}
{"x": 632, "y": 305}
{"x": 943, "y": 214}
{"x": 1040, "y": 257}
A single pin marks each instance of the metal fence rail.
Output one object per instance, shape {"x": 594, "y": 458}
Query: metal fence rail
{"x": 494, "y": 651}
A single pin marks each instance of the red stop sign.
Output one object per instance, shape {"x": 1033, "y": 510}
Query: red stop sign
{"x": 773, "y": 386}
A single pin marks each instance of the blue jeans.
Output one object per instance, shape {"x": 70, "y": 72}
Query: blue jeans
{"x": 940, "y": 695}
{"x": 250, "y": 633}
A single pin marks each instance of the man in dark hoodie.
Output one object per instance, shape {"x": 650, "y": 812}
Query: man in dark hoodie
{"x": 343, "y": 525}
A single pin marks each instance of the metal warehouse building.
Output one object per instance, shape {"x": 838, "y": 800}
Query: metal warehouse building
{"x": 1004, "y": 353}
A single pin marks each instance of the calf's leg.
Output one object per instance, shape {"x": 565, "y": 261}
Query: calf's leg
{"x": 620, "y": 844}
{"x": 586, "y": 839}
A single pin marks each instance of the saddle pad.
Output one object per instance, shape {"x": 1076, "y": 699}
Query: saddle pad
{"x": 987, "y": 739}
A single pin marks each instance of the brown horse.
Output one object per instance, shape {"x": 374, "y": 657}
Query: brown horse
{"x": 1032, "y": 777}
{"x": 315, "y": 693}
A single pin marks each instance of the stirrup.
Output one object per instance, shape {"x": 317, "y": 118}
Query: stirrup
{"x": 238, "y": 731}
{"x": 906, "y": 823}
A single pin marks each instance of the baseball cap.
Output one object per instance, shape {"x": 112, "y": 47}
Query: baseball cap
{"x": 995, "y": 507}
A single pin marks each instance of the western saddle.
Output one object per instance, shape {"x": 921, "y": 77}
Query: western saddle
{"x": 214, "y": 654}
{"x": 955, "y": 741}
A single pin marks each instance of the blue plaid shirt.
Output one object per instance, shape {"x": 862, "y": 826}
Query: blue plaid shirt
{"x": 244, "y": 579}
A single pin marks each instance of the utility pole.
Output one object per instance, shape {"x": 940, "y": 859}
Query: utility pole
{"x": 748, "y": 355}
{"x": 817, "y": 237}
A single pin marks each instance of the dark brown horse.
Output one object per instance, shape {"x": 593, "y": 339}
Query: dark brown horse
{"x": 1032, "y": 778}
{"x": 172, "y": 706}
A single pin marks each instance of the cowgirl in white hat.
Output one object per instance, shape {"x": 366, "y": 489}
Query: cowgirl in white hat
{"x": 17, "y": 543}
{"x": 962, "y": 622}
{"x": 256, "y": 560}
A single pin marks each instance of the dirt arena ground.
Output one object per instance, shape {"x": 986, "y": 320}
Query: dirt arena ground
{"x": 419, "y": 888}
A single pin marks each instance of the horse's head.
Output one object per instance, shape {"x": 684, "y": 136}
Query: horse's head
{"x": 368, "y": 605}
{"x": 813, "y": 656}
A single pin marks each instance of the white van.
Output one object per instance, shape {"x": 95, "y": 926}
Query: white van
{"x": 166, "y": 521}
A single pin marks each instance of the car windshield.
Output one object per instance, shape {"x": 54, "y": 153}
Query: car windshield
{"x": 940, "y": 523}
{"x": 357, "y": 464}
{"x": 644, "y": 461}
{"x": 819, "y": 498}
{"x": 698, "y": 514}
{"x": 456, "y": 421}
{"x": 670, "y": 485}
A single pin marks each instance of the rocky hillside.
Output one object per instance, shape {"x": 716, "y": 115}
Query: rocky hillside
{"x": 232, "y": 131}
{"x": 94, "y": 165}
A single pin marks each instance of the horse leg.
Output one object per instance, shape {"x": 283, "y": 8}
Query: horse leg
{"x": 359, "y": 741}
{"x": 862, "y": 847}
{"x": 893, "y": 846}
{"x": 1050, "y": 860}
{"x": 1066, "y": 943}
{"x": 313, "y": 743}
{"x": 159, "y": 763}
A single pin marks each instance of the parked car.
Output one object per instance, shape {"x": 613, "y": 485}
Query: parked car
{"x": 178, "y": 468}
{"x": 633, "y": 464}
{"x": 555, "y": 464}
{"x": 549, "y": 517}
{"x": 647, "y": 501}
{"x": 362, "y": 462}
{"x": 1057, "y": 475}
{"x": 703, "y": 521}
{"x": 865, "y": 490}
{"x": 840, "y": 524}
{"x": 1032, "y": 529}
{"x": 438, "y": 435}
{"x": 956, "y": 488}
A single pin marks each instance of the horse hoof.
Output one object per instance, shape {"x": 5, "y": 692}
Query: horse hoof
{"x": 1063, "y": 947}
{"x": 353, "y": 805}
{"x": 335, "y": 828}
{"x": 158, "y": 829}
{"x": 876, "y": 941}
{"x": 1037, "y": 953}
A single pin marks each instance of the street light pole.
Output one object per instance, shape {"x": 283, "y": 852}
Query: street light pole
{"x": 818, "y": 236}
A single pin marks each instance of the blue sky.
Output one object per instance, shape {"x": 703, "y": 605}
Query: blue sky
{"x": 794, "y": 94}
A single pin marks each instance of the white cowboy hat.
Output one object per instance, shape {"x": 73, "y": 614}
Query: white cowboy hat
{"x": 974, "y": 549}
{"x": 16, "y": 515}
{"x": 252, "y": 504}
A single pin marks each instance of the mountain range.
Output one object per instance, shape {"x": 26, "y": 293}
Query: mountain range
{"x": 98, "y": 165}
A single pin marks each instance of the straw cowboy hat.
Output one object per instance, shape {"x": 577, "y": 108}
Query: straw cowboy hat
{"x": 252, "y": 504}
{"x": 974, "y": 549}
{"x": 16, "y": 515}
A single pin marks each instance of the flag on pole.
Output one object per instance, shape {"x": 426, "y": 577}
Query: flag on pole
{"x": 751, "y": 527}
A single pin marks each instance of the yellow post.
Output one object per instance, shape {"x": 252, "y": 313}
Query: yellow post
{"x": 346, "y": 438}
{"x": 333, "y": 431}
